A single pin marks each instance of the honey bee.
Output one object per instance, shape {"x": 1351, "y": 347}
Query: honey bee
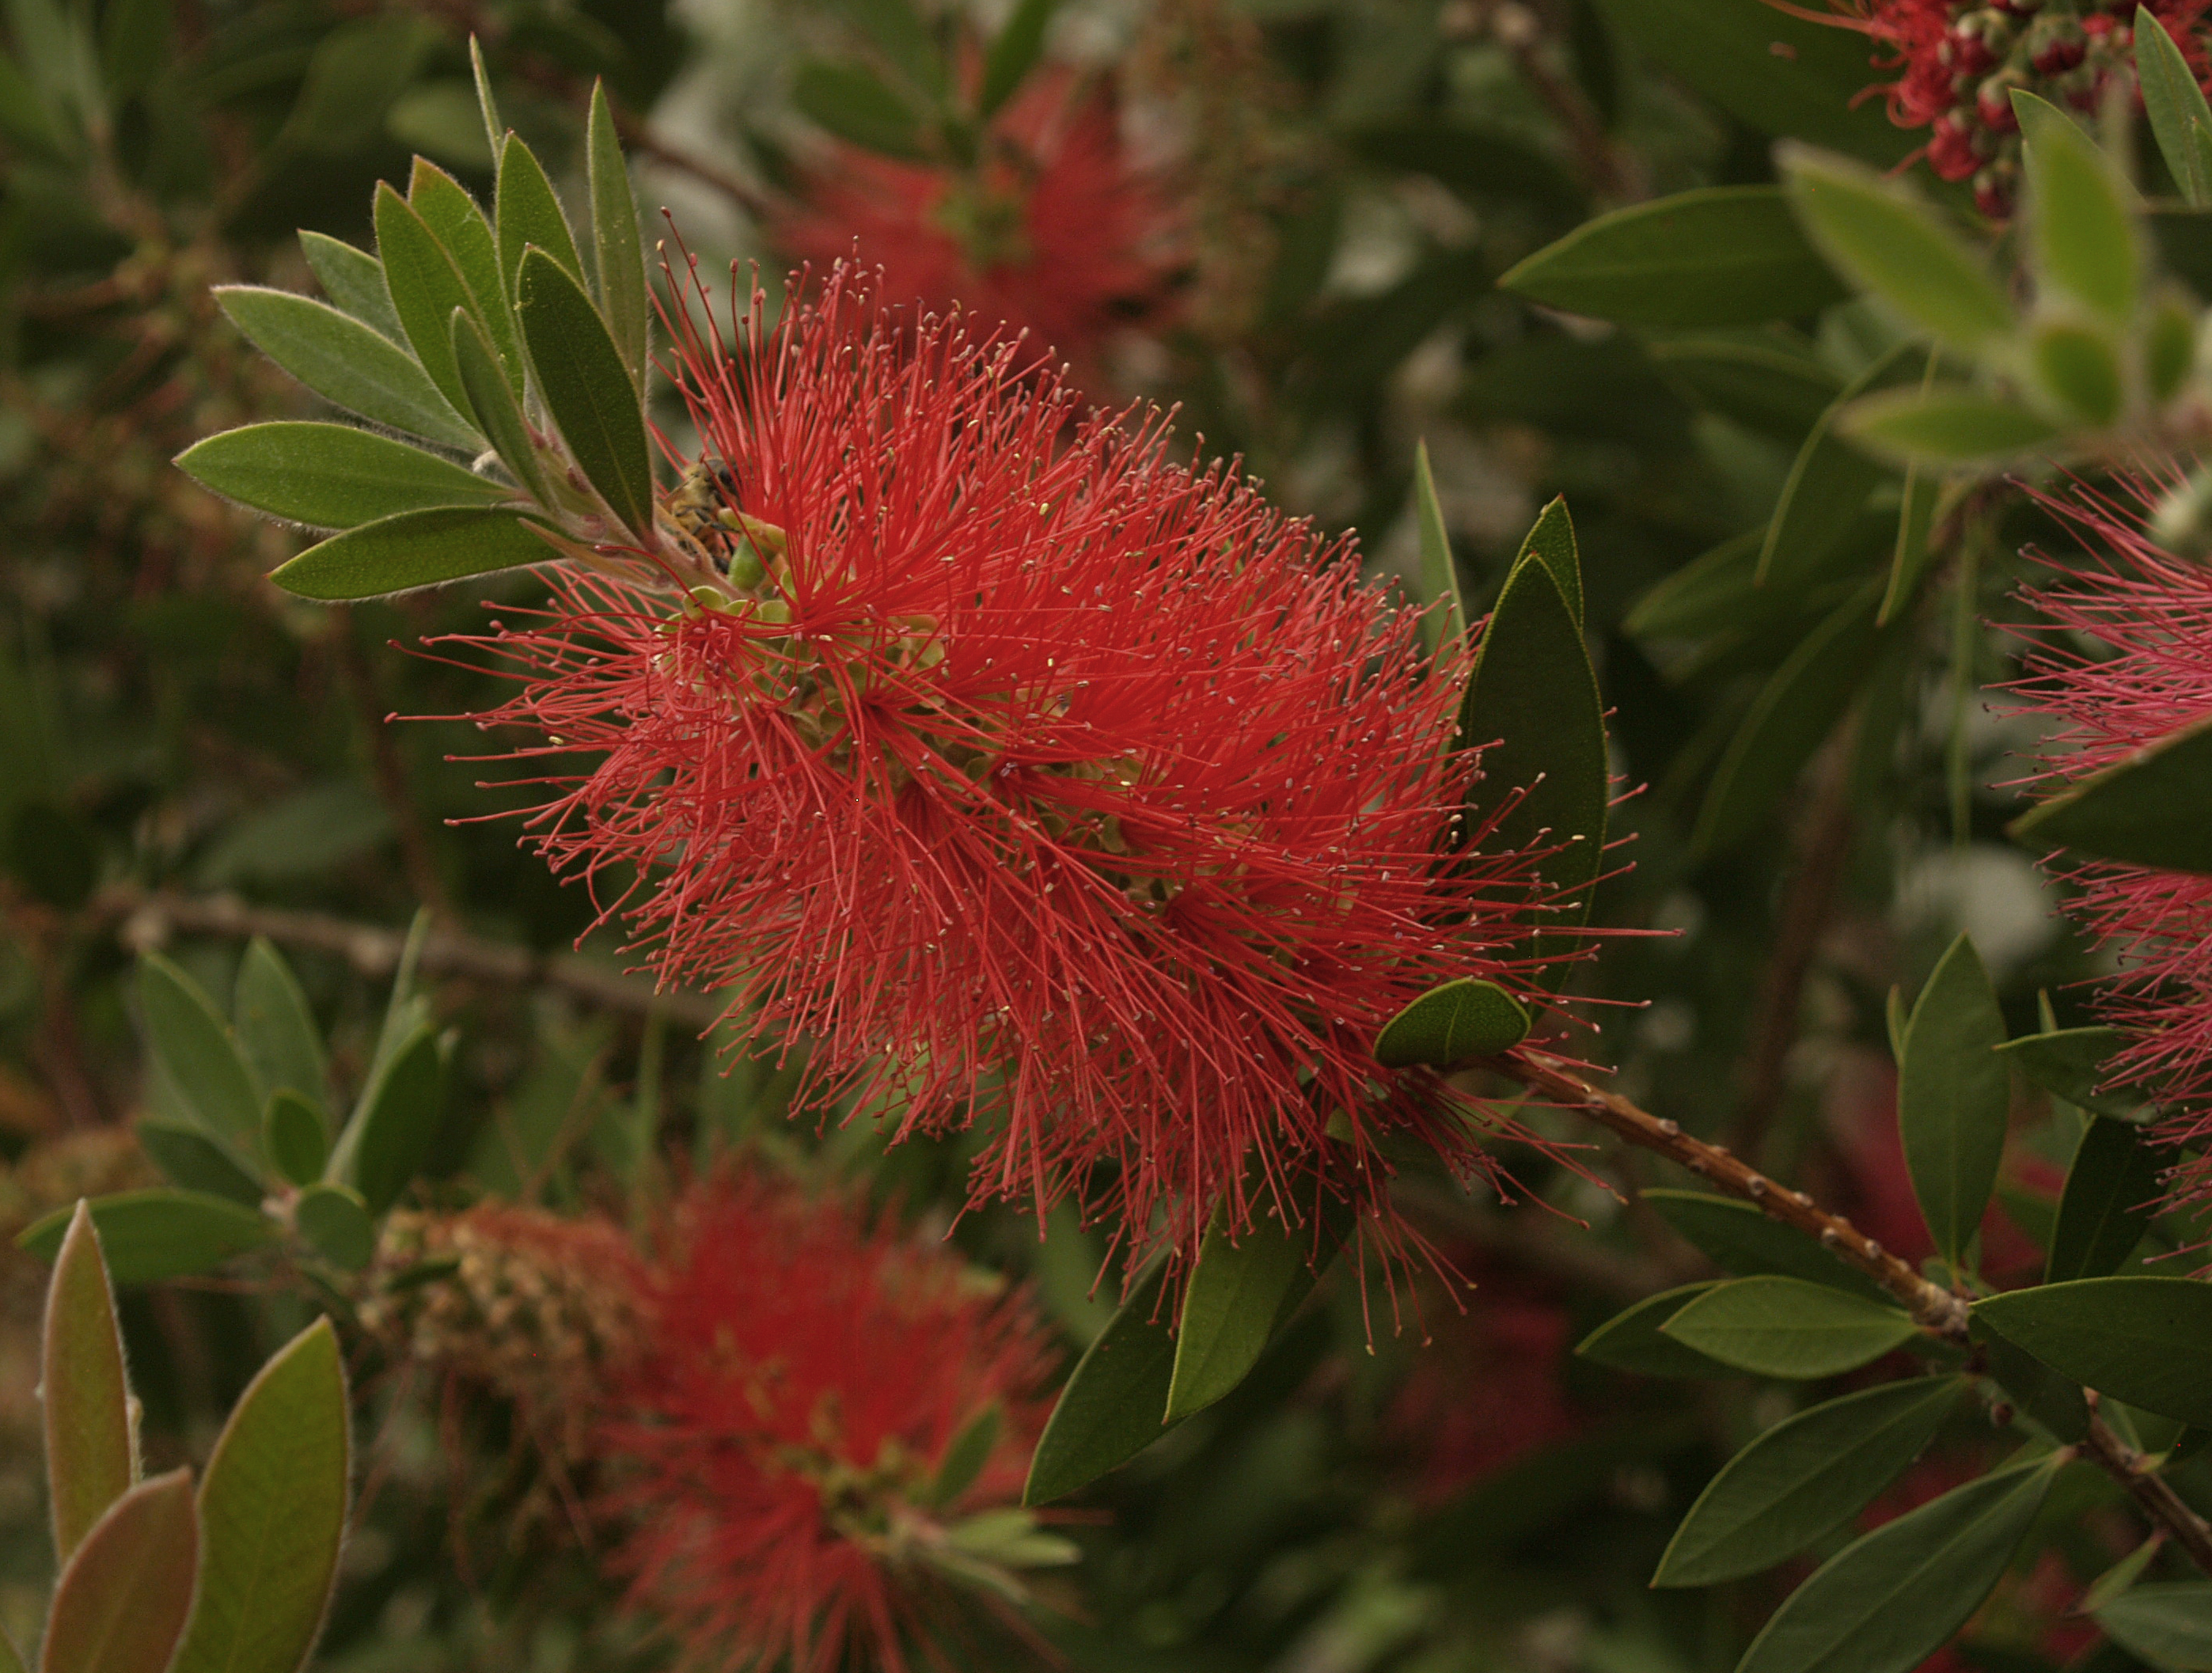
{"x": 703, "y": 507}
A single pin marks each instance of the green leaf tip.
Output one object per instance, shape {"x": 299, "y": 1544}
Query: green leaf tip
{"x": 1451, "y": 1023}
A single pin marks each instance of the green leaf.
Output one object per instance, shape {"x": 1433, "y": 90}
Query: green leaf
{"x": 1551, "y": 541}
{"x": 857, "y": 107}
{"x": 191, "y": 1159}
{"x": 466, "y": 238}
{"x": 2120, "y": 1576}
{"x": 588, "y": 390}
{"x": 345, "y": 362}
{"x": 122, "y": 1601}
{"x": 1631, "y": 1340}
{"x": 1446, "y": 621}
{"x": 1785, "y": 1326}
{"x": 2146, "y": 810}
{"x": 1892, "y": 243}
{"x": 2052, "y": 1400}
{"x": 1828, "y": 481}
{"x": 2083, "y": 241}
{"x": 2111, "y": 1193}
{"x": 1239, "y": 1293}
{"x": 1483, "y": 160}
{"x": 1953, "y": 1099}
{"x": 1013, "y": 54}
{"x": 330, "y": 476}
{"x": 1916, "y": 519}
{"x": 426, "y": 287}
{"x": 901, "y": 34}
{"x": 200, "y": 1052}
{"x": 1886, "y": 1601}
{"x": 494, "y": 131}
{"x": 2169, "y": 348}
{"x": 1451, "y": 1023}
{"x": 1109, "y": 1409}
{"x": 492, "y": 402}
{"x": 149, "y": 1235}
{"x": 2079, "y": 369}
{"x": 1759, "y": 380}
{"x": 1728, "y": 255}
{"x": 275, "y": 1027}
{"x": 336, "y": 1221}
{"x": 1945, "y": 425}
{"x": 272, "y": 1514}
{"x": 2143, "y": 1340}
{"x": 414, "y": 548}
{"x": 389, "y": 1135}
{"x": 965, "y": 1455}
{"x": 11, "y": 1658}
{"x": 528, "y": 213}
{"x": 293, "y": 1136}
{"x": 620, "y": 251}
{"x": 1532, "y": 706}
{"x": 1737, "y": 1237}
{"x": 1804, "y": 1479}
{"x": 354, "y": 281}
{"x": 1710, "y": 594}
{"x": 1797, "y": 708}
{"x": 2175, "y": 103}
{"x": 92, "y": 1451}
{"x": 2168, "y": 1626}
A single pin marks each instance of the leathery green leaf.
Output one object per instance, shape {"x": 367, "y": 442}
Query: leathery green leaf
{"x": 1447, "y": 618}
{"x": 1450, "y": 1023}
{"x": 1954, "y": 1097}
{"x": 1238, "y": 1293}
{"x": 336, "y": 1219}
{"x": 1631, "y": 1340}
{"x": 1804, "y": 1479}
{"x": 293, "y": 1136}
{"x": 330, "y": 476}
{"x": 122, "y": 1600}
{"x": 345, "y": 362}
{"x": 196, "y": 1160}
{"x": 1111, "y": 1407}
{"x": 275, "y": 1025}
{"x": 149, "y": 1235}
{"x": 1829, "y": 480}
{"x": 92, "y": 1454}
{"x": 1889, "y": 1598}
{"x": 273, "y": 1514}
{"x": 2179, "y": 118}
{"x": 2168, "y": 1626}
{"x": 620, "y": 251}
{"x": 2149, "y": 809}
{"x": 2111, "y": 1191}
{"x": 2144, "y": 1340}
{"x": 388, "y": 1138}
{"x": 588, "y": 390}
{"x": 1785, "y": 1327}
{"x": 201, "y": 1052}
{"x": 1737, "y": 1237}
{"x": 2052, "y": 1400}
{"x": 1945, "y": 425}
{"x": 414, "y": 548}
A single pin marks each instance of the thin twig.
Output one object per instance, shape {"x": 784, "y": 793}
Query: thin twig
{"x": 1937, "y": 1310}
{"x": 148, "y": 917}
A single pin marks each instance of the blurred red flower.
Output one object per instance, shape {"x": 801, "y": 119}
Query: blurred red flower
{"x": 1036, "y": 779}
{"x": 805, "y": 1377}
{"x": 1959, "y": 60}
{"x": 2148, "y": 614}
{"x": 1054, "y": 227}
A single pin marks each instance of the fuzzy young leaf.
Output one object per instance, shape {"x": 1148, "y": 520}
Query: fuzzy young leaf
{"x": 2111, "y": 1191}
{"x": 122, "y": 1599}
{"x": 2146, "y": 1341}
{"x": 346, "y": 362}
{"x": 192, "y": 1159}
{"x": 1947, "y": 426}
{"x": 426, "y": 287}
{"x": 1632, "y": 1339}
{"x": 494, "y": 131}
{"x": 1736, "y": 1236}
{"x": 2147, "y": 810}
{"x": 293, "y": 1136}
{"x": 391, "y": 1135}
{"x": 201, "y": 1053}
{"x": 149, "y": 1235}
{"x": 2168, "y": 1626}
{"x": 1953, "y": 1099}
{"x": 620, "y": 253}
{"x": 2083, "y": 240}
{"x": 2179, "y": 115}
{"x": 1238, "y": 1293}
{"x": 92, "y": 1454}
{"x": 1718, "y": 255}
{"x": 336, "y": 1221}
{"x": 460, "y": 227}
{"x": 1785, "y": 1326}
{"x": 1888, "y": 240}
{"x": 353, "y": 280}
{"x": 330, "y": 476}
{"x": 493, "y": 404}
{"x": 1804, "y": 1479}
{"x": 275, "y": 1027}
{"x": 1886, "y": 1602}
{"x": 527, "y": 213}
{"x": 272, "y": 1514}
{"x": 1450, "y": 1023}
{"x": 587, "y": 389}
{"x": 1108, "y": 1409}
{"x": 414, "y": 548}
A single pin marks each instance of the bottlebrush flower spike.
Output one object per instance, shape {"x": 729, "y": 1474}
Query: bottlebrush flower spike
{"x": 1036, "y": 781}
{"x": 2152, "y": 612}
{"x": 1959, "y": 60}
{"x": 795, "y": 1434}
{"x": 1053, "y": 229}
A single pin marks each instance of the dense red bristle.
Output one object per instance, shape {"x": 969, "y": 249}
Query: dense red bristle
{"x": 1077, "y": 794}
{"x": 805, "y": 1378}
{"x": 2126, "y": 659}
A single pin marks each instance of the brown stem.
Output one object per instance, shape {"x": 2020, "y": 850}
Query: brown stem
{"x": 1936, "y": 1309}
{"x": 147, "y": 918}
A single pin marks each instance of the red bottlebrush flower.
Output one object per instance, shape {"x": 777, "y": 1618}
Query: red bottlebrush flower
{"x": 2152, "y": 614}
{"x": 1038, "y": 781}
{"x": 1053, "y": 229}
{"x": 804, "y": 1380}
{"x": 1958, "y": 60}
